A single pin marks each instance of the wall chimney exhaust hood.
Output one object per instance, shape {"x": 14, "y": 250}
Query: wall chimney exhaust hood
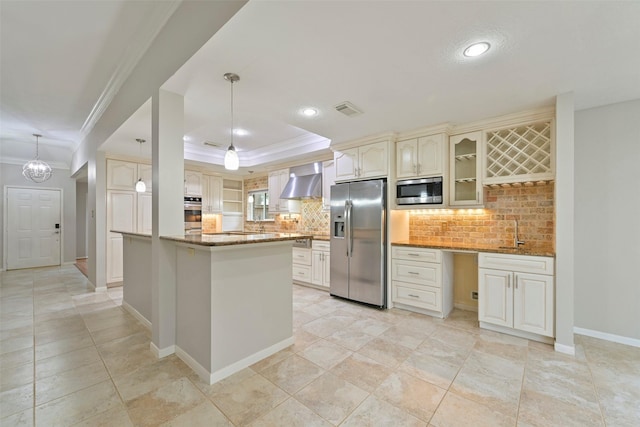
{"x": 305, "y": 182}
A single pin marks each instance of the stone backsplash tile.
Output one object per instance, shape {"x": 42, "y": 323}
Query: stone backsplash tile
{"x": 311, "y": 219}
{"x": 533, "y": 207}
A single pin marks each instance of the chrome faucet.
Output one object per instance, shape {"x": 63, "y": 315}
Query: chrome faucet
{"x": 516, "y": 242}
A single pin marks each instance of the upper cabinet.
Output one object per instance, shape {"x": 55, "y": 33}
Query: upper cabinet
{"x": 211, "y": 194}
{"x": 465, "y": 186}
{"x": 328, "y": 179}
{"x": 366, "y": 161}
{"x": 192, "y": 183}
{"x": 520, "y": 154}
{"x": 277, "y": 181}
{"x": 421, "y": 157}
{"x": 121, "y": 175}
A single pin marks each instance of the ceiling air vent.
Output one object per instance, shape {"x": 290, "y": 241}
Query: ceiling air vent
{"x": 348, "y": 109}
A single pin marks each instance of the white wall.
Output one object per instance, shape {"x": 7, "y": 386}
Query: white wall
{"x": 82, "y": 188}
{"x": 12, "y": 175}
{"x": 607, "y": 229}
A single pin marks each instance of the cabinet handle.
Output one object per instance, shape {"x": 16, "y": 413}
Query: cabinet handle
{"x": 516, "y": 285}
{"x": 477, "y": 196}
{"x": 413, "y": 272}
{"x": 508, "y": 281}
{"x": 411, "y": 254}
{"x": 414, "y": 296}
{"x": 419, "y": 167}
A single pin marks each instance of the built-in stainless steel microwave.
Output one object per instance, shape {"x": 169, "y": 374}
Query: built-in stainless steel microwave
{"x": 423, "y": 191}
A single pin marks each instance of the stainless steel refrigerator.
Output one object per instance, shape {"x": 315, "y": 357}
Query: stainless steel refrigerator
{"x": 358, "y": 242}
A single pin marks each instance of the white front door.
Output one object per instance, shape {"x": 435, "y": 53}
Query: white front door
{"x": 33, "y": 228}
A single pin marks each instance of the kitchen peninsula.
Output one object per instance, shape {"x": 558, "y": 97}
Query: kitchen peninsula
{"x": 233, "y": 298}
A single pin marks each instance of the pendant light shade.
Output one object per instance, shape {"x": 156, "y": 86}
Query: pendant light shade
{"x": 36, "y": 170}
{"x": 141, "y": 187}
{"x": 231, "y": 160}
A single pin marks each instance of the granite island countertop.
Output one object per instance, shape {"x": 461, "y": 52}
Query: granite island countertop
{"x": 228, "y": 239}
{"x": 423, "y": 243}
{"x": 131, "y": 233}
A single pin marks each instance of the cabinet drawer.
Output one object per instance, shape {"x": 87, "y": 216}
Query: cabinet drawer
{"x": 520, "y": 263}
{"x": 302, "y": 256}
{"x": 425, "y": 297}
{"x": 320, "y": 245}
{"x": 416, "y": 254}
{"x": 302, "y": 273}
{"x": 419, "y": 273}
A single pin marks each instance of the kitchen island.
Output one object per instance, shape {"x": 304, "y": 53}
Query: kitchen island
{"x": 233, "y": 296}
{"x": 233, "y": 300}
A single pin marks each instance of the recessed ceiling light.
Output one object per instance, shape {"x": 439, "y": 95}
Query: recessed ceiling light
{"x": 309, "y": 112}
{"x": 476, "y": 49}
{"x": 240, "y": 132}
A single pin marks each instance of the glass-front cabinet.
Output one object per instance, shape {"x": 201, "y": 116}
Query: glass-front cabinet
{"x": 258, "y": 206}
{"x": 465, "y": 185}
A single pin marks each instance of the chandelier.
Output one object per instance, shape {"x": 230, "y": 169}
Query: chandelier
{"x": 36, "y": 170}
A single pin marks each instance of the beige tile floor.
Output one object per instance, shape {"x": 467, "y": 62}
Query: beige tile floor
{"x": 70, "y": 356}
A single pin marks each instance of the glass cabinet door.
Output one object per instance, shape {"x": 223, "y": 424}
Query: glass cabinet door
{"x": 465, "y": 185}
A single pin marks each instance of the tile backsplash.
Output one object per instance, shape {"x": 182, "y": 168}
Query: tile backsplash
{"x": 312, "y": 219}
{"x": 532, "y": 205}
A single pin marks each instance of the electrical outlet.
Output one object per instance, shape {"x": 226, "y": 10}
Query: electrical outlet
{"x": 474, "y": 295}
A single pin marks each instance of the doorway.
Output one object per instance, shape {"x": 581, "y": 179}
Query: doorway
{"x": 34, "y": 227}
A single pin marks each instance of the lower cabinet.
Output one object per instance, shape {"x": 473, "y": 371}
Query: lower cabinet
{"x": 320, "y": 263}
{"x": 516, "y": 292}
{"x": 302, "y": 265}
{"x": 419, "y": 280}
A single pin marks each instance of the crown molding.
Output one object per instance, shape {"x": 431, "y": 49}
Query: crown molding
{"x": 371, "y": 139}
{"x": 20, "y": 162}
{"x": 425, "y": 131}
{"x": 508, "y": 120}
{"x": 132, "y": 55}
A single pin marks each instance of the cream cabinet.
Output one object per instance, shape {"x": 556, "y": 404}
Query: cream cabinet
{"x": 192, "y": 183}
{"x": 277, "y": 181}
{"x": 516, "y": 292}
{"x": 520, "y": 154}
{"x": 211, "y": 194}
{"x": 143, "y": 208}
{"x": 121, "y": 175}
{"x": 465, "y": 162}
{"x": 418, "y": 280}
{"x": 121, "y": 216}
{"x": 328, "y": 179}
{"x": 320, "y": 263}
{"x": 421, "y": 157}
{"x": 301, "y": 265}
{"x": 366, "y": 161}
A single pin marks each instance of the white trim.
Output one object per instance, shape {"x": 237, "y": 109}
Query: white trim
{"x": 99, "y": 289}
{"x": 516, "y": 332}
{"x": 135, "y": 313}
{"x": 21, "y": 161}
{"x": 566, "y": 349}
{"x": 69, "y": 263}
{"x": 220, "y": 374}
{"x": 193, "y": 364}
{"x": 607, "y": 337}
{"x": 132, "y": 55}
{"x": 162, "y": 352}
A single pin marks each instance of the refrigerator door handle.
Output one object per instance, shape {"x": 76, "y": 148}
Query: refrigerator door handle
{"x": 347, "y": 217}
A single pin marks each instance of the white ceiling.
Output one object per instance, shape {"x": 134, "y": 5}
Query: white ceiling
{"x": 401, "y": 63}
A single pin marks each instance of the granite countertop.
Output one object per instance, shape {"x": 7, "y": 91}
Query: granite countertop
{"x": 323, "y": 237}
{"x": 420, "y": 243}
{"x": 228, "y": 239}
{"x": 131, "y": 233}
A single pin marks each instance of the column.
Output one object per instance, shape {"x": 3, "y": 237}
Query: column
{"x": 167, "y": 153}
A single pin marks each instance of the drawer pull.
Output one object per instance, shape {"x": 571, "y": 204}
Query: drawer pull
{"x": 414, "y": 296}
{"x": 410, "y": 254}
{"x": 413, "y": 272}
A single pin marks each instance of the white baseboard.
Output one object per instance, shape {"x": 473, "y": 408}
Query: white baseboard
{"x": 162, "y": 352}
{"x": 68, "y": 263}
{"x": 607, "y": 337}
{"x": 516, "y": 333}
{"x": 566, "y": 349}
{"x": 135, "y": 313}
{"x": 100, "y": 289}
{"x": 220, "y": 374}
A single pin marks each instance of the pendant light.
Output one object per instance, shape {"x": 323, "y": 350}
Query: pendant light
{"x": 141, "y": 187}
{"x": 36, "y": 170}
{"x": 231, "y": 161}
